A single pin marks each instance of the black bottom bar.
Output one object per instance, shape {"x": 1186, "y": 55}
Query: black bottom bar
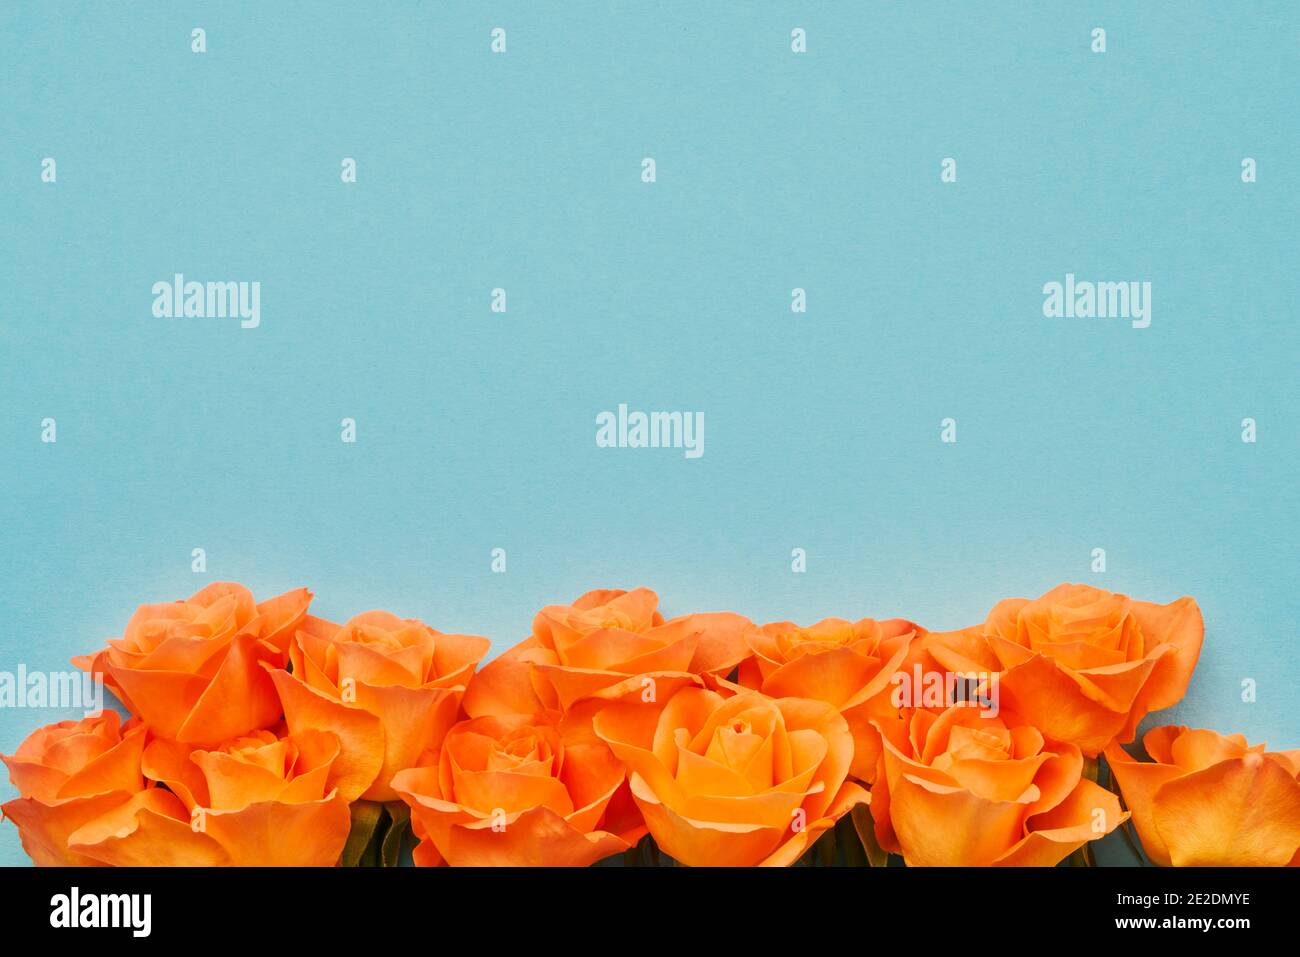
{"x": 655, "y": 904}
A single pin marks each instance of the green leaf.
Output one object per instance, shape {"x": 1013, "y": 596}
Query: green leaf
{"x": 638, "y": 855}
{"x": 824, "y": 849}
{"x": 1134, "y": 845}
{"x": 1082, "y": 857}
{"x": 846, "y": 839}
{"x": 400, "y": 815}
{"x": 366, "y": 816}
{"x": 650, "y": 852}
{"x": 877, "y": 856}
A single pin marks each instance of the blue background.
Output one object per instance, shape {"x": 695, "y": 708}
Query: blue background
{"x": 775, "y": 170}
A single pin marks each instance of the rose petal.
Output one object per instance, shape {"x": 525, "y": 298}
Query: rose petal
{"x": 361, "y": 734}
{"x": 1244, "y": 812}
{"x": 151, "y": 830}
{"x": 271, "y": 834}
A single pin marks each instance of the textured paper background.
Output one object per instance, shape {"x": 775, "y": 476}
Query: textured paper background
{"x": 775, "y": 170}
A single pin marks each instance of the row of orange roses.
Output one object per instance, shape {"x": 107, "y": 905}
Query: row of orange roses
{"x": 258, "y": 730}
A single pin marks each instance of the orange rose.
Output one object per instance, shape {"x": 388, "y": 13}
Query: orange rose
{"x": 259, "y": 800}
{"x": 734, "y": 781}
{"x": 516, "y": 790}
{"x": 388, "y": 687}
{"x": 193, "y": 670}
{"x": 1081, "y": 664}
{"x": 1211, "y": 800}
{"x": 962, "y": 787}
{"x": 607, "y": 645}
{"x": 846, "y": 664}
{"x": 70, "y": 773}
